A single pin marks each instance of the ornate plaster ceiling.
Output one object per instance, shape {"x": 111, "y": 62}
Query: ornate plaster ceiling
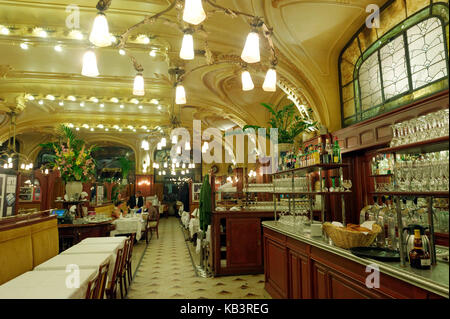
{"x": 308, "y": 36}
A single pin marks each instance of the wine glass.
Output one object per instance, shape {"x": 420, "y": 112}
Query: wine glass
{"x": 347, "y": 184}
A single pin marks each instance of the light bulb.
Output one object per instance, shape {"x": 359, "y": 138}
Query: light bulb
{"x": 22, "y": 166}
{"x": 179, "y": 150}
{"x": 100, "y": 31}
{"x": 138, "y": 88}
{"x": 24, "y": 46}
{"x": 122, "y": 52}
{"x": 5, "y": 165}
{"x": 187, "y": 47}
{"x": 58, "y": 48}
{"x": 163, "y": 142}
{"x": 46, "y": 171}
{"x": 165, "y": 164}
{"x": 180, "y": 95}
{"x": 174, "y": 139}
{"x": 270, "y": 82}
{"x": 152, "y": 53}
{"x": 9, "y": 160}
{"x": 250, "y": 54}
{"x": 10, "y": 165}
{"x": 90, "y": 64}
{"x": 158, "y": 146}
{"x": 4, "y": 30}
{"x": 193, "y": 12}
{"x": 247, "y": 83}
{"x": 187, "y": 146}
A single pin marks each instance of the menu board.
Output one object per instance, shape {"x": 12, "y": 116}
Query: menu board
{"x": 7, "y": 194}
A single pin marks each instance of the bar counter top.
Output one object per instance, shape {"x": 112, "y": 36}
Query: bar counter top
{"x": 435, "y": 280}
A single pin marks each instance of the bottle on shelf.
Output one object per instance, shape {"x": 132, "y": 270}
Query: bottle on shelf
{"x": 336, "y": 153}
{"x": 418, "y": 257}
{"x": 329, "y": 151}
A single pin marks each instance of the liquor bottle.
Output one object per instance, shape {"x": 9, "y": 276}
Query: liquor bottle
{"x": 329, "y": 150}
{"x": 336, "y": 153}
{"x": 418, "y": 257}
{"x": 322, "y": 153}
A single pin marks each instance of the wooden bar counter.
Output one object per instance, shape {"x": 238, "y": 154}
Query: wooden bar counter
{"x": 237, "y": 241}
{"x": 300, "y": 267}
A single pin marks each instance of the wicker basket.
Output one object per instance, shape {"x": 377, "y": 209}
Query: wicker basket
{"x": 345, "y": 238}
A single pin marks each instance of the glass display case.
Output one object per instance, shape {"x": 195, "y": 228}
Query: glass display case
{"x": 304, "y": 190}
{"x": 413, "y": 182}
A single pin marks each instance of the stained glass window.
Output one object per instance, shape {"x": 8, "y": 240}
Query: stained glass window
{"x": 394, "y": 69}
{"x": 427, "y": 52}
{"x": 370, "y": 82}
{"x": 406, "y": 63}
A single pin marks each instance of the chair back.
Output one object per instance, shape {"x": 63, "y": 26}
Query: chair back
{"x": 130, "y": 250}
{"x": 123, "y": 260}
{"x": 101, "y": 281}
{"x": 117, "y": 267}
{"x": 92, "y": 287}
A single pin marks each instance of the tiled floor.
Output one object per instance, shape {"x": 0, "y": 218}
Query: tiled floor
{"x": 167, "y": 272}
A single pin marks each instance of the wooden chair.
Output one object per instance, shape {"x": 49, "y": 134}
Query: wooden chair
{"x": 102, "y": 279}
{"x": 153, "y": 226}
{"x": 96, "y": 286}
{"x": 111, "y": 290}
{"x": 92, "y": 287}
{"x": 128, "y": 263}
{"x": 146, "y": 229}
{"x": 121, "y": 275}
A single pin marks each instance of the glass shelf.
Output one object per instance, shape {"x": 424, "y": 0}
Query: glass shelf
{"x": 428, "y": 146}
{"x": 312, "y": 168}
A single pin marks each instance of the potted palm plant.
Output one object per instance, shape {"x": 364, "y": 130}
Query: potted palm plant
{"x": 288, "y": 122}
{"x": 73, "y": 160}
{"x": 126, "y": 165}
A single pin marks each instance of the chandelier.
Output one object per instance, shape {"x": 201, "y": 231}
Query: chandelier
{"x": 9, "y": 155}
{"x": 189, "y": 23}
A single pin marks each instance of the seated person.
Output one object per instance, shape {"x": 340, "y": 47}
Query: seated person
{"x": 119, "y": 208}
{"x": 152, "y": 212}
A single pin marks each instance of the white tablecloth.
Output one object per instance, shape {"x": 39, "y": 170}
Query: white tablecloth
{"x": 51, "y": 284}
{"x": 128, "y": 225}
{"x": 83, "y": 261}
{"x": 104, "y": 240}
{"x": 93, "y": 249}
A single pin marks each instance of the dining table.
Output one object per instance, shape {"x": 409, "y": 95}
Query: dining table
{"x": 128, "y": 225}
{"x": 49, "y": 284}
{"x": 82, "y": 261}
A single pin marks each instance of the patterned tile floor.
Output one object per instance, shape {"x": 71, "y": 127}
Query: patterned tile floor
{"x": 166, "y": 272}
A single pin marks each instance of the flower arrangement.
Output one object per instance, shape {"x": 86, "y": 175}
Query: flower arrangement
{"x": 73, "y": 160}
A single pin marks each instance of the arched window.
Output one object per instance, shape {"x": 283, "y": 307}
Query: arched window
{"x": 407, "y": 63}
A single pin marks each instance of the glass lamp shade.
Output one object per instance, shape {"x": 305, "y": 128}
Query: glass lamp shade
{"x": 247, "y": 83}
{"x": 145, "y": 145}
{"x": 90, "y": 64}
{"x": 180, "y": 97}
{"x": 138, "y": 87}
{"x": 158, "y": 146}
{"x": 193, "y": 12}
{"x": 270, "y": 82}
{"x": 187, "y": 47}
{"x": 179, "y": 150}
{"x": 174, "y": 139}
{"x": 163, "y": 142}
{"x": 251, "y": 54}
{"x": 100, "y": 31}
